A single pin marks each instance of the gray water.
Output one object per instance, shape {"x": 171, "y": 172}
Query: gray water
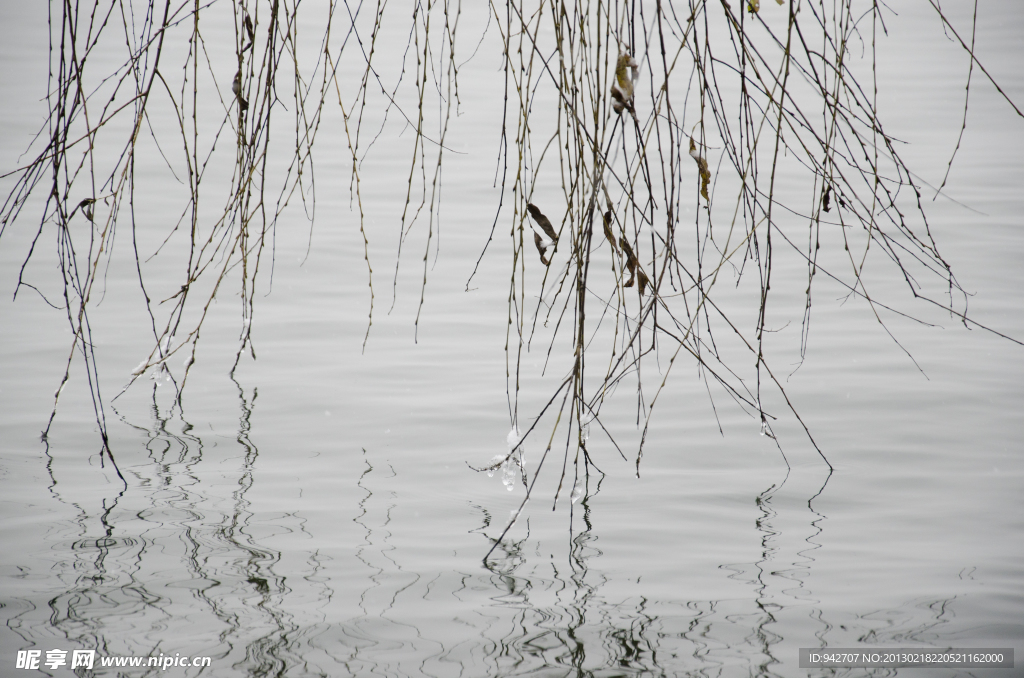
{"x": 317, "y": 514}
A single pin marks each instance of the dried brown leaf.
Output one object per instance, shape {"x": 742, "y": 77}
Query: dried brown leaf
{"x": 542, "y": 221}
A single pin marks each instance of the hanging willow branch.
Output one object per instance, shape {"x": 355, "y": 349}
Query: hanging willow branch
{"x": 621, "y": 118}
{"x": 206, "y": 113}
{"x": 782, "y": 96}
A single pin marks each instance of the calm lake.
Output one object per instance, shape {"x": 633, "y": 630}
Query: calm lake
{"x": 318, "y": 512}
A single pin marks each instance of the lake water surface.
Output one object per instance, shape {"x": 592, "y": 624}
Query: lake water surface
{"x": 316, "y": 514}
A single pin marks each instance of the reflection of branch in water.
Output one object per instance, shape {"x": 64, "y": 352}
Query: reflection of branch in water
{"x": 915, "y": 622}
{"x": 76, "y": 611}
{"x": 777, "y": 577}
{"x": 577, "y": 620}
{"x": 583, "y": 633}
{"x": 269, "y": 649}
{"x": 581, "y": 541}
{"x": 132, "y": 572}
{"x": 372, "y": 632}
{"x": 767, "y": 603}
